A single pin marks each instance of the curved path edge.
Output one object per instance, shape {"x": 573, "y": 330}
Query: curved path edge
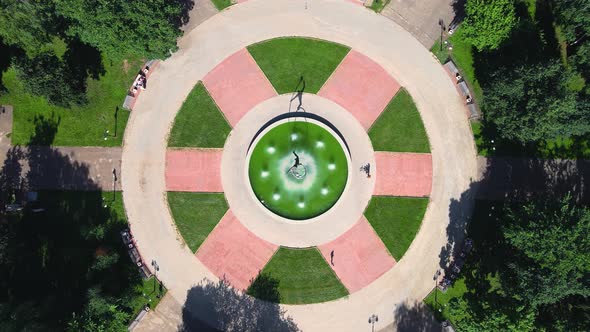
{"x": 453, "y": 152}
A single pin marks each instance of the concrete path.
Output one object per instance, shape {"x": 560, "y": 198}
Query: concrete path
{"x": 196, "y": 170}
{"x": 234, "y": 253}
{"x": 201, "y": 11}
{"x": 421, "y": 17}
{"x": 237, "y": 85}
{"x": 360, "y": 257}
{"x": 403, "y": 174}
{"x": 361, "y": 86}
{"x": 380, "y": 39}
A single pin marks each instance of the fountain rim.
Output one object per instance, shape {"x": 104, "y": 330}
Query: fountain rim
{"x": 286, "y": 118}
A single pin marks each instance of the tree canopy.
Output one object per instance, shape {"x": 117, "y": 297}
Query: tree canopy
{"x": 531, "y": 102}
{"x": 488, "y": 22}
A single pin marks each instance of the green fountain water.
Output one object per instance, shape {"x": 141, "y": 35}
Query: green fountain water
{"x": 298, "y": 170}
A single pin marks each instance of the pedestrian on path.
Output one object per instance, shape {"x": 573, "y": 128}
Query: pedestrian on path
{"x": 332, "y": 257}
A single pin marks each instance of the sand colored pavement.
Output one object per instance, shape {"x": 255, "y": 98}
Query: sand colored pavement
{"x": 386, "y": 43}
{"x": 234, "y": 253}
{"x": 195, "y": 170}
{"x": 361, "y": 86}
{"x": 237, "y": 84}
{"x": 360, "y": 256}
{"x": 403, "y": 174}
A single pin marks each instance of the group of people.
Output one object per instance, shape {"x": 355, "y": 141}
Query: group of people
{"x": 141, "y": 82}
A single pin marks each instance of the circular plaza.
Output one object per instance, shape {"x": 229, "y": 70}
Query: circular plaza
{"x": 325, "y": 151}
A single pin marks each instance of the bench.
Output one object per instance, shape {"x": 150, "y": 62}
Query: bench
{"x": 453, "y": 70}
{"x": 139, "y": 83}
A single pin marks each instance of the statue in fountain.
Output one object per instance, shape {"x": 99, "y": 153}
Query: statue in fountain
{"x": 298, "y": 169}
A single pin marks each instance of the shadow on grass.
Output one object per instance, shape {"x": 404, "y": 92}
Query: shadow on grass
{"x": 414, "y": 317}
{"x": 265, "y": 287}
{"x": 220, "y": 305}
{"x": 61, "y": 256}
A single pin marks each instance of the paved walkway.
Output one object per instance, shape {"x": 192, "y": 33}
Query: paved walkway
{"x": 361, "y": 86}
{"x": 196, "y": 170}
{"x": 237, "y": 85}
{"x": 234, "y": 253}
{"x": 453, "y": 153}
{"x": 59, "y": 168}
{"x": 360, "y": 257}
{"x": 421, "y": 17}
{"x": 403, "y": 174}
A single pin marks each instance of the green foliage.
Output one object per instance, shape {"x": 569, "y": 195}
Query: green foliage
{"x": 222, "y": 4}
{"x": 491, "y": 317}
{"x": 488, "y": 22}
{"x": 552, "y": 239}
{"x": 47, "y": 76}
{"x": 199, "y": 123}
{"x": 399, "y": 128}
{"x": 574, "y": 17}
{"x": 119, "y": 28}
{"x": 265, "y": 287}
{"x": 25, "y": 24}
{"x": 531, "y": 103}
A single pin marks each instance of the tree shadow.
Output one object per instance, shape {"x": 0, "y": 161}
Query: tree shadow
{"x": 183, "y": 18}
{"x": 220, "y": 305}
{"x": 45, "y": 129}
{"x": 413, "y": 317}
{"x": 8, "y": 54}
{"x": 83, "y": 61}
{"x": 62, "y": 253}
{"x": 265, "y": 287}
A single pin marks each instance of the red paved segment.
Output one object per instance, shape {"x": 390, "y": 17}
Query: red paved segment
{"x": 359, "y": 256}
{"x": 361, "y": 86}
{"x": 196, "y": 170}
{"x": 403, "y": 174}
{"x": 238, "y": 84}
{"x": 233, "y": 252}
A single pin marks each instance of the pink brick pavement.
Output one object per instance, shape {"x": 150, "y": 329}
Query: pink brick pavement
{"x": 238, "y": 84}
{"x": 233, "y": 252}
{"x": 403, "y": 174}
{"x": 359, "y": 256}
{"x": 361, "y": 86}
{"x": 196, "y": 170}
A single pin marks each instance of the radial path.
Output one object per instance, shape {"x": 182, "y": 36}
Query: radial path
{"x": 374, "y": 36}
{"x": 394, "y": 169}
{"x": 196, "y": 170}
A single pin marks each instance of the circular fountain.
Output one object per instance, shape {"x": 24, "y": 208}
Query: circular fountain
{"x": 298, "y": 169}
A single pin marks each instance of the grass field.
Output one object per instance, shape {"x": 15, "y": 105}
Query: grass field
{"x": 285, "y": 60}
{"x": 399, "y": 128}
{"x": 147, "y": 293}
{"x": 222, "y": 4}
{"x": 438, "y": 301}
{"x": 378, "y": 5}
{"x": 196, "y": 214}
{"x": 304, "y": 276}
{"x": 78, "y": 125}
{"x": 199, "y": 123}
{"x": 396, "y": 220}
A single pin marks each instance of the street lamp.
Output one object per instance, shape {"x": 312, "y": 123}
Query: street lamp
{"x": 372, "y": 320}
{"x": 156, "y": 269}
{"x": 436, "y": 275}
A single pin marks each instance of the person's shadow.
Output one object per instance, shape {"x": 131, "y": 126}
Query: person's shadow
{"x": 299, "y": 94}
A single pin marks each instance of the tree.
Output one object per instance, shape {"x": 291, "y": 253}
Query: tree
{"x": 488, "y": 22}
{"x": 574, "y": 17}
{"x": 123, "y": 27}
{"x": 551, "y": 241}
{"x": 531, "y": 103}
{"x": 25, "y": 24}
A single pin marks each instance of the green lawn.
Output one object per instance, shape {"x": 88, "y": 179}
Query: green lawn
{"x": 196, "y": 214}
{"x": 438, "y": 301}
{"x": 378, "y": 5}
{"x": 199, "y": 123}
{"x": 78, "y": 125}
{"x": 285, "y": 60}
{"x": 396, "y": 220}
{"x": 304, "y": 276}
{"x": 442, "y": 54}
{"x": 399, "y": 128}
{"x": 147, "y": 293}
{"x": 222, "y": 4}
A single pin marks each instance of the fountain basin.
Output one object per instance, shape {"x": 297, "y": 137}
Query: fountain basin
{"x": 297, "y": 169}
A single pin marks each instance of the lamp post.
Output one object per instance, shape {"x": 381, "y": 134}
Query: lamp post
{"x": 436, "y": 275}
{"x": 372, "y": 320}
{"x": 156, "y": 269}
